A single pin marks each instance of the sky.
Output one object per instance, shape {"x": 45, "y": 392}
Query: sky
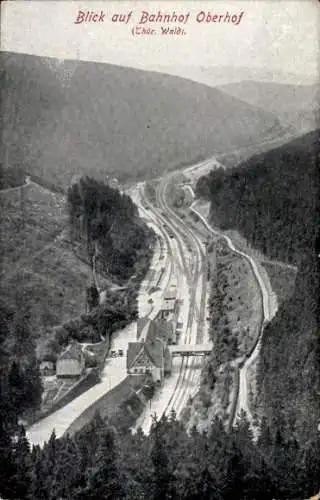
{"x": 274, "y": 35}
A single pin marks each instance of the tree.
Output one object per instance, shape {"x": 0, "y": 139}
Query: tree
{"x": 136, "y": 465}
{"x": 21, "y": 338}
{"x": 45, "y": 470}
{"x": 7, "y": 462}
{"x": 40, "y": 487}
{"x": 23, "y": 466}
{"x": 311, "y": 467}
{"x": 160, "y": 461}
{"x": 32, "y": 385}
{"x": 92, "y": 297}
{"x": 103, "y": 478}
{"x": 67, "y": 470}
{"x": 243, "y": 432}
{"x": 16, "y": 389}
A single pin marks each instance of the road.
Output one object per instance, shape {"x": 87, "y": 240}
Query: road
{"x": 115, "y": 368}
{"x": 182, "y": 256}
{"x": 269, "y": 308}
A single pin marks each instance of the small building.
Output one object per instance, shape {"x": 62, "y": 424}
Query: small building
{"x": 169, "y": 308}
{"x": 47, "y": 367}
{"x": 173, "y": 282}
{"x": 171, "y": 294}
{"x": 71, "y": 362}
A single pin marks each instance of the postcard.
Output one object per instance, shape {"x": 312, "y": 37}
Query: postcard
{"x": 160, "y": 249}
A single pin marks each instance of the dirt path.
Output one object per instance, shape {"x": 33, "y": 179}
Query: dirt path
{"x": 17, "y": 188}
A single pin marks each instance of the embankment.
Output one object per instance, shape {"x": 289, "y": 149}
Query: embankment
{"x": 121, "y": 406}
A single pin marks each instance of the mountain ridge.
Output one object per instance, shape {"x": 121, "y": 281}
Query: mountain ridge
{"x": 118, "y": 121}
{"x": 273, "y": 200}
{"x": 296, "y": 105}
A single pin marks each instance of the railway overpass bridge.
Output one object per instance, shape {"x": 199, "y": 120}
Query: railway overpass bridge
{"x": 190, "y": 349}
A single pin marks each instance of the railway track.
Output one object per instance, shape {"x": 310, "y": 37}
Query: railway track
{"x": 186, "y": 240}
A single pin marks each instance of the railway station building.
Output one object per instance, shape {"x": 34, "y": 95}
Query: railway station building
{"x": 150, "y": 354}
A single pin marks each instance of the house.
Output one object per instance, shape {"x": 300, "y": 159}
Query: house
{"x": 150, "y": 353}
{"x": 71, "y": 362}
{"x": 47, "y": 367}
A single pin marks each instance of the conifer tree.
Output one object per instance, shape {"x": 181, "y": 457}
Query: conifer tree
{"x": 16, "y": 389}
{"x": 160, "y": 460}
{"x": 67, "y": 471}
{"x": 7, "y": 462}
{"x": 46, "y": 467}
{"x": 32, "y": 384}
{"x": 23, "y": 465}
{"x": 103, "y": 478}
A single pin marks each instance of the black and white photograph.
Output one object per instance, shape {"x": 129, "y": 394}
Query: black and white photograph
{"x": 160, "y": 250}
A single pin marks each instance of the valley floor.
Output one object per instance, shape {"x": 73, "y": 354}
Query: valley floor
{"x": 183, "y": 256}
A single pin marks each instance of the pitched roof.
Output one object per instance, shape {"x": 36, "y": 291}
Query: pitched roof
{"x": 156, "y": 341}
{"x": 153, "y": 350}
{"x": 165, "y": 329}
{"x": 142, "y": 327}
{"x": 170, "y": 294}
{"x": 133, "y": 350}
{"x": 154, "y": 336}
{"x": 72, "y": 351}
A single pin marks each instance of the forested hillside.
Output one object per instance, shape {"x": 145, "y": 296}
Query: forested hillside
{"x": 102, "y": 462}
{"x": 46, "y": 277}
{"x": 108, "y": 234}
{"x": 297, "y": 105}
{"x": 273, "y": 199}
{"x": 20, "y": 382}
{"x": 10, "y": 178}
{"x": 64, "y": 118}
{"x": 107, "y": 222}
{"x": 289, "y": 368}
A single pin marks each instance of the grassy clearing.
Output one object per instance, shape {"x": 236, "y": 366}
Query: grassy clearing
{"x": 194, "y": 223}
{"x": 212, "y": 401}
{"x": 282, "y": 279}
{"x": 40, "y": 269}
{"x": 235, "y": 305}
{"x": 278, "y": 276}
{"x": 253, "y": 388}
{"x": 32, "y": 217}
